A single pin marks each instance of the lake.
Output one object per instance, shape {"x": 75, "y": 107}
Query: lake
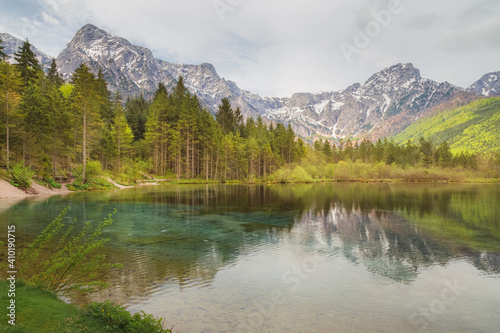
{"x": 295, "y": 258}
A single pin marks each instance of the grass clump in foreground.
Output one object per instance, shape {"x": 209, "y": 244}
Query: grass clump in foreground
{"x": 39, "y": 311}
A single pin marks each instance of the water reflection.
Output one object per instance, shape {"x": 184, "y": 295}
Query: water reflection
{"x": 178, "y": 237}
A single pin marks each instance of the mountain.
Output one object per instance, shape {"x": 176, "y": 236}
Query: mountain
{"x": 384, "y": 105}
{"x": 132, "y": 69}
{"x": 488, "y": 85}
{"x": 474, "y": 127}
{"x": 12, "y": 44}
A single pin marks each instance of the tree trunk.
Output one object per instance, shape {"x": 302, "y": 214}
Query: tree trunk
{"x": 84, "y": 143}
{"x": 187, "y": 156}
{"x": 54, "y": 158}
{"x": 8, "y": 151}
{"x": 7, "y": 124}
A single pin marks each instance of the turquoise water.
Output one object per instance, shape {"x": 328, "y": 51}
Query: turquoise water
{"x": 298, "y": 258}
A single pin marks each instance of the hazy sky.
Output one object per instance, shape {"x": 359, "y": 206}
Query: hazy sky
{"x": 278, "y": 47}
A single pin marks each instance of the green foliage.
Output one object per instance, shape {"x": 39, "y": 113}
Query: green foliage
{"x": 94, "y": 169}
{"x": 3, "y": 55}
{"x": 137, "y": 111}
{"x": 39, "y": 311}
{"x": 66, "y": 90}
{"x": 229, "y": 120}
{"x": 92, "y": 183}
{"x": 75, "y": 260}
{"x": 118, "y": 319}
{"x": 287, "y": 175}
{"x": 27, "y": 64}
{"x": 49, "y": 183}
{"x": 300, "y": 175}
{"x": 21, "y": 176}
{"x": 474, "y": 127}
{"x": 133, "y": 171}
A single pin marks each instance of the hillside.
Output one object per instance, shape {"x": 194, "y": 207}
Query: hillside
{"x": 474, "y": 127}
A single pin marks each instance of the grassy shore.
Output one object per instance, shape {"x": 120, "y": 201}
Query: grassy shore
{"x": 39, "y": 311}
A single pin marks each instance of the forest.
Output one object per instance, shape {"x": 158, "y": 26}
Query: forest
{"x": 79, "y": 130}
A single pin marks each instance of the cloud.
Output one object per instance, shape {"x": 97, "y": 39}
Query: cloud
{"x": 278, "y": 47}
{"x": 422, "y": 21}
{"x": 483, "y": 35}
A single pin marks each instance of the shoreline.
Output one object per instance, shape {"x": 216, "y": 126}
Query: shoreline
{"x": 9, "y": 192}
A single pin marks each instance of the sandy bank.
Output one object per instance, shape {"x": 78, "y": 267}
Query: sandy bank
{"x": 7, "y": 191}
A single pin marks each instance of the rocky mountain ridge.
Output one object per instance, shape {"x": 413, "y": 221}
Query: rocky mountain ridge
{"x": 488, "y": 85}
{"x": 12, "y": 45}
{"x": 384, "y": 105}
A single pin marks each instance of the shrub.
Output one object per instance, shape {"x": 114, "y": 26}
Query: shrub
{"x": 300, "y": 175}
{"x": 342, "y": 171}
{"x": 118, "y": 319}
{"x": 92, "y": 169}
{"x": 312, "y": 170}
{"x": 94, "y": 183}
{"x": 75, "y": 259}
{"x": 49, "y": 183}
{"x": 282, "y": 175}
{"x": 21, "y": 176}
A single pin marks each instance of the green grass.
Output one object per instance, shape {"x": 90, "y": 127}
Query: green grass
{"x": 38, "y": 311}
{"x": 474, "y": 127}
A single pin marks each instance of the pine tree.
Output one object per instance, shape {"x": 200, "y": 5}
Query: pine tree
{"x": 3, "y": 55}
{"x": 230, "y": 120}
{"x": 136, "y": 111}
{"x": 10, "y": 86}
{"x": 122, "y": 133}
{"x": 53, "y": 76}
{"x": 60, "y": 123}
{"x": 27, "y": 64}
{"x": 36, "y": 122}
{"x": 86, "y": 102}
{"x": 105, "y": 109}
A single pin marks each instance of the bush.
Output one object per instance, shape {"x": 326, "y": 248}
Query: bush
{"x": 21, "y": 176}
{"x": 299, "y": 175}
{"x": 75, "y": 260}
{"x": 282, "y": 175}
{"x": 94, "y": 183}
{"x": 132, "y": 171}
{"x": 92, "y": 169}
{"x": 118, "y": 319}
{"x": 50, "y": 183}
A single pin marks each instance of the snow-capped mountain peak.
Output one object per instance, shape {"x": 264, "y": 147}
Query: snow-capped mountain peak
{"x": 488, "y": 85}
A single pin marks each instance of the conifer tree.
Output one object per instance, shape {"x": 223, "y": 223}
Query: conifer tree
{"x": 3, "y": 55}
{"x": 27, "y": 64}
{"x": 86, "y": 101}
{"x": 228, "y": 119}
{"x": 105, "y": 108}
{"x": 53, "y": 76}
{"x": 10, "y": 86}
{"x": 121, "y": 131}
{"x": 136, "y": 111}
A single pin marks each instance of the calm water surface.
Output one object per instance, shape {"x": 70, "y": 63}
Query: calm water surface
{"x": 298, "y": 258}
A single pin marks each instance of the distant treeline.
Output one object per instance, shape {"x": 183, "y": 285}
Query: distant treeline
{"x": 385, "y": 150}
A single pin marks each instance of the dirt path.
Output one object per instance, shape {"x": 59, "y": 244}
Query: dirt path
{"x": 116, "y": 184}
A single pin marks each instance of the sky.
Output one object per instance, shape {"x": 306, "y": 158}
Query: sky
{"x": 279, "y": 47}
